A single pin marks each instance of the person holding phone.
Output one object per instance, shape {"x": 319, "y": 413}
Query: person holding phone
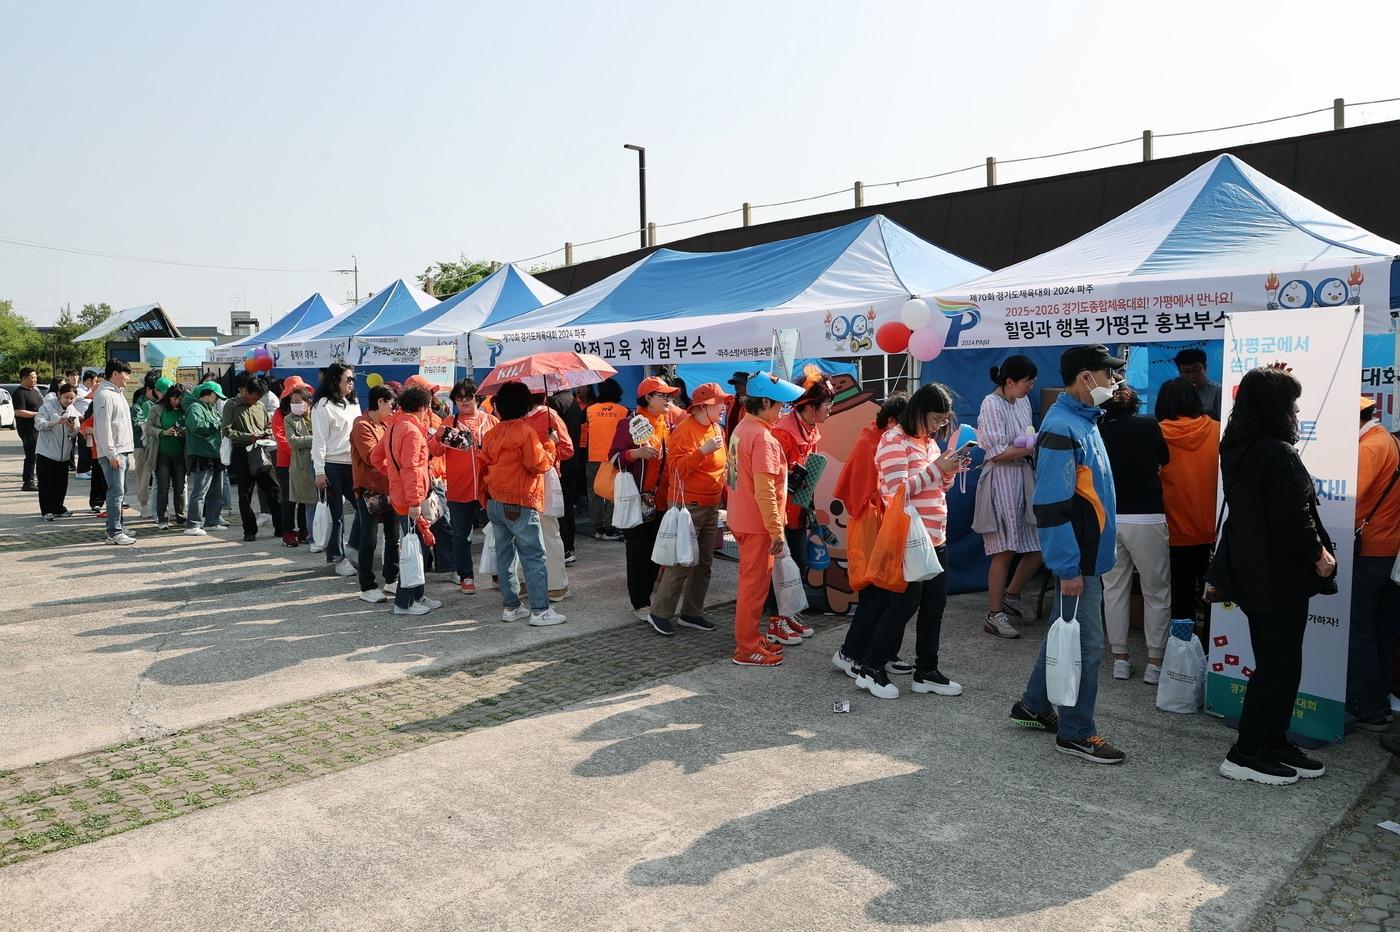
{"x": 56, "y": 427}
{"x": 166, "y": 422}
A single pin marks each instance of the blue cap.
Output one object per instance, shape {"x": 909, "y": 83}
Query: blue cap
{"x": 767, "y": 385}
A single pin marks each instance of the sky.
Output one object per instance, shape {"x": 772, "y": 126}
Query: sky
{"x": 293, "y": 135}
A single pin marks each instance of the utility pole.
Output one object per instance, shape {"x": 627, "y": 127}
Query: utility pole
{"x": 642, "y": 187}
{"x": 355, "y": 271}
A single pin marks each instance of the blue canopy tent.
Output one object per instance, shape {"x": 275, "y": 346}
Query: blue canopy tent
{"x": 315, "y": 311}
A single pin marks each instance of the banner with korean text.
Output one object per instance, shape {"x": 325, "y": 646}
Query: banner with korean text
{"x": 1323, "y": 347}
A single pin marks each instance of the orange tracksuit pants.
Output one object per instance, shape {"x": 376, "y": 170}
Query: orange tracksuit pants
{"x": 755, "y": 579}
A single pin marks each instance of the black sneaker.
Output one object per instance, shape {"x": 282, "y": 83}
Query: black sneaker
{"x": 1290, "y": 755}
{"x": 897, "y": 667}
{"x": 1023, "y": 716}
{"x": 1256, "y": 768}
{"x": 662, "y": 625}
{"x": 1375, "y": 725}
{"x": 29, "y": 487}
{"x": 698, "y": 622}
{"x": 1093, "y": 749}
{"x": 249, "y": 538}
{"x": 935, "y": 682}
{"x": 569, "y": 558}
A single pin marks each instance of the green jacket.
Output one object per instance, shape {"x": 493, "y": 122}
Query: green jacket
{"x": 140, "y": 409}
{"x": 243, "y": 423}
{"x": 201, "y": 429}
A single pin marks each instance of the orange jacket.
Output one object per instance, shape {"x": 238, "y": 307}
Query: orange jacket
{"x": 1189, "y": 480}
{"x": 365, "y": 435}
{"x": 798, "y": 442}
{"x": 515, "y": 461}
{"x": 699, "y": 475}
{"x": 463, "y": 466}
{"x": 857, "y": 487}
{"x": 1377, "y": 458}
{"x": 599, "y": 428}
{"x": 402, "y": 456}
{"x": 544, "y": 419}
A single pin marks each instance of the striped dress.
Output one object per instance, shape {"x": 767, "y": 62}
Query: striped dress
{"x": 1000, "y": 422}
{"x": 902, "y": 460}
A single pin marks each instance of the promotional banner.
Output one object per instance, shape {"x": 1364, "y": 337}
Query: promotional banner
{"x": 1323, "y": 346}
{"x": 170, "y": 368}
{"x": 438, "y": 364}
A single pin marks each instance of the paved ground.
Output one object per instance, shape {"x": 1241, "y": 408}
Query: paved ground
{"x": 597, "y": 776}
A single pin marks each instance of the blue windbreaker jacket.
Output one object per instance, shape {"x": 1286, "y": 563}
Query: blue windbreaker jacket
{"x": 1075, "y": 507}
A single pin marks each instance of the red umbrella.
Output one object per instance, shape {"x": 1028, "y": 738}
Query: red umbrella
{"x": 548, "y": 372}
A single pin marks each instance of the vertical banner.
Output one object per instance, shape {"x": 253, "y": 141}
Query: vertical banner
{"x": 1323, "y": 347}
{"x": 170, "y": 368}
{"x": 786, "y": 342}
{"x": 438, "y": 364}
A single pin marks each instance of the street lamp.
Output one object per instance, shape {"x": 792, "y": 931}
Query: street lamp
{"x": 641, "y": 187}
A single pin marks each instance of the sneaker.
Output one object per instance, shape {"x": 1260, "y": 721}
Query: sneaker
{"x": 845, "y": 664}
{"x": 612, "y": 534}
{"x": 1376, "y": 724}
{"x": 249, "y": 538}
{"x": 1152, "y": 675}
{"x": 65, "y": 513}
{"x": 643, "y": 613}
{"x": 417, "y": 608}
{"x": 877, "y": 683}
{"x": 770, "y": 648}
{"x": 121, "y": 539}
{"x": 997, "y": 624}
{"x": 316, "y": 548}
{"x": 1122, "y": 669}
{"x": 519, "y": 613}
{"x": 101, "y": 513}
{"x": 1011, "y": 605}
{"x": 83, "y": 475}
{"x": 391, "y": 587}
{"x": 599, "y": 535}
{"x": 661, "y": 625}
{"x": 29, "y": 487}
{"x": 897, "y": 667}
{"x": 559, "y": 595}
{"x": 196, "y": 532}
{"x": 467, "y": 586}
{"x": 303, "y": 536}
{"x": 935, "y": 682}
{"x": 373, "y": 596}
{"x": 1093, "y": 749}
{"x": 698, "y": 622}
{"x": 780, "y": 632}
{"x": 264, "y": 519}
{"x": 221, "y": 526}
{"x": 1257, "y": 768}
{"x": 48, "y": 517}
{"x": 1292, "y": 756}
{"x": 570, "y": 558}
{"x": 289, "y": 540}
{"x": 344, "y": 568}
{"x": 1022, "y": 715}
{"x": 759, "y": 658}
{"x": 800, "y": 627}
{"x": 546, "y": 618}
{"x": 179, "y": 519}
{"x": 430, "y": 602}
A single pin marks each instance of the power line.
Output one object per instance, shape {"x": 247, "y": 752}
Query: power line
{"x": 78, "y": 251}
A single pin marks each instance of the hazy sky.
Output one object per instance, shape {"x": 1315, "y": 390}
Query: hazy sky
{"x": 291, "y": 135}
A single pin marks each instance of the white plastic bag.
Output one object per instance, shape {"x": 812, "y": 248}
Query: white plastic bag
{"x": 663, "y": 552}
{"x": 1395, "y": 571}
{"x": 411, "y": 561}
{"x": 225, "y": 451}
{"x": 687, "y": 542}
{"x": 487, "y": 565}
{"x": 321, "y": 527}
{"x": 1062, "y": 659}
{"x": 553, "y": 495}
{"x": 787, "y": 585}
{"x": 627, "y": 501}
{"x": 920, "y": 559}
{"x": 1183, "y": 684}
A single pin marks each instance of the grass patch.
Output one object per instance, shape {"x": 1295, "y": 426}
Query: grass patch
{"x": 165, "y": 805}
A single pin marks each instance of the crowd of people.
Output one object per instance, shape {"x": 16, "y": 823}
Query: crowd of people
{"x": 1100, "y": 495}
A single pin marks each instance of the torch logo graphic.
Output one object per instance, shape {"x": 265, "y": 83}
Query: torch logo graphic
{"x": 1354, "y": 281}
{"x": 1271, "y": 292}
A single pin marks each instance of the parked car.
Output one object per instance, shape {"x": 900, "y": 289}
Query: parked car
{"x": 7, "y": 410}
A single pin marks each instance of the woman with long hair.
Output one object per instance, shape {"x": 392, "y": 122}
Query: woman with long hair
{"x": 910, "y": 457}
{"x": 460, "y": 438}
{"x": 57, "y": 432}
{"x": 1004, "y": 503}
{"x": 1189, "y": 484}
{"x": 1273, "y": 556}
{"x": 402, "y": 456}
{"x": 166, "y": 421}
{"x": 333, "y": 413}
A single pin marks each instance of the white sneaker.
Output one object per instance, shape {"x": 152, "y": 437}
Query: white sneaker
{"x": 998, "y": 624}
{"x": 162, "y": 525}
{"x": 48, "y": 517}
{"x": 391, "y": 587}
{"x": 643, "y": 613}
{"x": 874, "y": 686}
{"x": 431, "y": 603}
{"x": 373, "y": 596}
{"x": 1394, "y": 703}
{"x": 417, "y": 608}
{"x": 1122, "y": 669}
{"x": 843, "y": 663}
{"x": 1152, "y": 675}
{"x": 456, "y": 580}
{"x": 121, "y": 538}
{"x": 315, "y": 547}
{"x": 343, "y": 568}
{"x": 547, "y": 617}
{"x": 196, "y": 531}
{"x": 264, "y": 519}
{"x": 935, "y": 683}
{"x": 519, "y": 613}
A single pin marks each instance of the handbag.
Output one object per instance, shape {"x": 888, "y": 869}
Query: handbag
{"x": 1063, "y": 661}
{"x": 802, "y": 480}
{"x": 262, "y": 457}
{"x": 376, "y": 503}
{"x": 603, "y": 480}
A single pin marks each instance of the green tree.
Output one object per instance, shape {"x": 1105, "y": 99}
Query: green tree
{"x": 444, "y": 279}
{"x": 20, "y": 343}
{"x": 61, "y": 352}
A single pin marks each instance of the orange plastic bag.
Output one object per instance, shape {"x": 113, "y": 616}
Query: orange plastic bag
{"x": 603, "y": 481}
{"x": 860, "y": 541}
{"x": 886, "y": 566}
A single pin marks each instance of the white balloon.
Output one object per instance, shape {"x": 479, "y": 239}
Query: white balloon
{"x": 915, "y": 313}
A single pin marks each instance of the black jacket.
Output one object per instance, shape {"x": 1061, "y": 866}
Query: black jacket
{"x": 1270, "y": 541}
{"x": 1136, "y": 454}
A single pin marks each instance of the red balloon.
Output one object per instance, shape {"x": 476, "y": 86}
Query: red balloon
{"x": 250, "y": 364}
{"x": 265, "y": 363}
{"x": 893, "y": 337}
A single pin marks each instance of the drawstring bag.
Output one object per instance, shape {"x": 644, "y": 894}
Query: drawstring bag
{"x": 886, "y": 566}
{"x": 553, "y": 495}
{"x": 321, "y": 525}
{"x": 1062, "y": 659}
{"x": 627, "y": 501}
{"x": 860, "y": 543}
{"x": 1183, "y": 684}
{"x": 787, "y": 585}
{"x": 487, "y": 565}
{"x": 663, "y": 552}
{"x": 411, "y": 561}
{"x": 920, "y": 559}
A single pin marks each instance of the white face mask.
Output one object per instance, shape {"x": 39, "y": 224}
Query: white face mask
{"x": 1099, "y": 394}
{"x": 298, "y": 408}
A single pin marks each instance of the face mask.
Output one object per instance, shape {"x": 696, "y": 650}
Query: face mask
{"x": 1099, "y": 394}
{"x": 298, "y": 408}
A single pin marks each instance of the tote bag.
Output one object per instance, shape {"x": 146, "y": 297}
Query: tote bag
{"x": 787, "y": 585}
{"x": 920, "y": 559}
{"x": 487, "y": 566}
{"x": 1183, "y": 684}
{"x": 553, "y": 495}
{"x": 411, "y": 561}
{"x": 627, "y": 501}
{"x": 1062, "y": 659}
{"x": 321, "y": 526}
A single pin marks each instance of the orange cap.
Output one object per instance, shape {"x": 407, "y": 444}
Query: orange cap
{"x": 417, "y": 381}
{"x": 292, "y": 383}
{"x": 1367, "y": 401}
{"x": 653, "y": 384}
{"x": 709, "y": 393}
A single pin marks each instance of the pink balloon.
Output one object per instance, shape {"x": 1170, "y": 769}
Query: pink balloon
{"x": 925, "y": 344}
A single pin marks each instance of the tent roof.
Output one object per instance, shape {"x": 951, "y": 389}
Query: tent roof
{"x": 1223, "y": 217}
{"x": 870, "y": 259}
{"x": 315, "y": 310}
{"x": 120, "y": 319}
{"x": 506, "y": 293}
{"x": 395, "y": 303}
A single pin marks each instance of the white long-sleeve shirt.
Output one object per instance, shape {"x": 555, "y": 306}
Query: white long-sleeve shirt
{"x": 330, "y": 433}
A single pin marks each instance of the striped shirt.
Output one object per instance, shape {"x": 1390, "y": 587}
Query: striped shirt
{"x": 904, "y": 460}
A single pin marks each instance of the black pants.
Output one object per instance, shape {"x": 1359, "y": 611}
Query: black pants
{"x": 928, "y": 599}
{"x": 1277, "y": 639}
{"x": 641, "y": 572}
{"x": 796, "y": 539}
{"x": 869, "y": 608}
{"x": 1189, "y": 565}
{"x": 1375, "y": 604}
{"x": 389, "y": 521}
{"x": 569, "y": 479}
{"x": 267, "y": 483}
{"x": 97, "y": 493}
{"x": 293, "y": 513}
{"x": 53, "y": 485}
{"x": 29, "y": 439}
{"x": 85, "y": 460}
{"x": 170, "y": 474}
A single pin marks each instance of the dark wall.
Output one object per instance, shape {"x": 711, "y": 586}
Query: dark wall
{"x": 1354, "y": 173}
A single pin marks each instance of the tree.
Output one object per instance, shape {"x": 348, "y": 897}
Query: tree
{"x": 59, "y": 349}
{"x": 20, "y": 343}
{"x": 444, "y": 279}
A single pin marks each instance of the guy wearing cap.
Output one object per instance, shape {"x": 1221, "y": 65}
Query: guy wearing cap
{"x": 696, "y": 458}
{"x": 205, "y": 469}
{"x": 1075, "y": 510}
{"x": 757, "y": 479}
{"x": 645, "y": 459}
{"x": 1375, "y": 600}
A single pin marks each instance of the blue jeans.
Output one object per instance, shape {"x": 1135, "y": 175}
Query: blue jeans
{"x": 406, "y": 595}
{"x": 1076, "y": 721}
{"x": 463, "y": 523}
{"x": 116, "y": 488}
{"x": 205, "y": 501}
{"x": 520, "y": 534}
{"x": 341, "y": 487}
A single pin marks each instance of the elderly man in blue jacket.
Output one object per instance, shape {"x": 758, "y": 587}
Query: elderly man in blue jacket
{"x": 1074, "y": 509}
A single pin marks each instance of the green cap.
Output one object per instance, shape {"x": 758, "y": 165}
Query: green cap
{"x": 163, "y": 385}
{"x": 203, "y": 387}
